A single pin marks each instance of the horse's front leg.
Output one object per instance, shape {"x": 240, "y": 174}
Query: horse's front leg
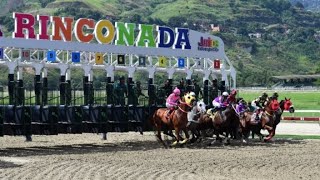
{"x": 227, "y": 139}
{"x": 271, "y": 132}
{"x": 187, "y": 136}
{"x": 218, "y": 138}
{"x": 178, "y": 137}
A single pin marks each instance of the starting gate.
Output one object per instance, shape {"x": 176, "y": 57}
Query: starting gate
{"x": 117, "y": 48}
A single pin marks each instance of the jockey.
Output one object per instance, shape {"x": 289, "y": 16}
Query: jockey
{"x": 232, "y": 97}
{"x": 172, "y": 101}
{"x": 191, "y": 114}
{"x": 241, "y": 107}
{"x": 264, "y": 98}
{"x": 275, "y": 95}
{"x": 221, "y": 101}
{"x": 258, "y": 108}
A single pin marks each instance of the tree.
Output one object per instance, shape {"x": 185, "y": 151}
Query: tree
{"x": 177, "y": 21}
{"x": 299, "y": 5}
{"x": 136, "y": 18}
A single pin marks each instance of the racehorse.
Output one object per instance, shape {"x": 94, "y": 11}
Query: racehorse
{"x": 194, "y": 123}
{"x": 225, "y": 121}
{"x": 266, "y": 121}
{"x": 220, "y": 122}
{"x": 269, "y": 119}
{"x": 177, "y": 121}
{"x": 285, "y": 104}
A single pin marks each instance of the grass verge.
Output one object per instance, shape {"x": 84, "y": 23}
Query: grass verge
{"x": 288, "y": 136}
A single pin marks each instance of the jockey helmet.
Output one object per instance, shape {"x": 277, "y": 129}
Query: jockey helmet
{"x": 275, "y": 94}
{"x": 234, "y": 92}
{"x": 264, "y": 95}
{"x": 193, "y": 94}
{"x": 176, "y": 91}
{"x": 225, "y": 94}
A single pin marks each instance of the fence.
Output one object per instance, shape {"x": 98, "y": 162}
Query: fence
{"x": 303, "y": 118}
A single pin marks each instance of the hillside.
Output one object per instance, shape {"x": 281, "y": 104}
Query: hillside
{"x": 289, "y": 42}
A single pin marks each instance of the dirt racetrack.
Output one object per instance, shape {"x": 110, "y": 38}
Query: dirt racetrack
{"x": 132, "y": 156}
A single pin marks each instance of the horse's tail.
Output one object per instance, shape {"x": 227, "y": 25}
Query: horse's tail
{"x": 151, "y": 118}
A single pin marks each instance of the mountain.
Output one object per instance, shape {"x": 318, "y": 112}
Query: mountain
{"x": 263, "y": 38}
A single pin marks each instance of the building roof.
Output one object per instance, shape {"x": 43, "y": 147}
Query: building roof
{"x": 288, "y": 77}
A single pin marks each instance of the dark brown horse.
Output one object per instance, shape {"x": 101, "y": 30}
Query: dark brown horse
{"x": 199, "y": 129}
{"x": 177, "y": 121}
{"x": 225, "y": 121}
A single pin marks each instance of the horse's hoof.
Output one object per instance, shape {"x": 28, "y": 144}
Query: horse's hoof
{"x": 267, "y": 139}
{"x": 244, "y": 141}
{"x": 212, "y": 143}
{"x": 227, "y": 142}
{"x": 174, "y": 143}
{"x": 184, "y": 141}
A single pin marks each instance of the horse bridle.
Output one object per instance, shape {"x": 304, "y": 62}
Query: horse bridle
{"x": 184, "y": 103}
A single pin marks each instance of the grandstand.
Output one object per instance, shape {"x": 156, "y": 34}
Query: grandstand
{"x": 295, "y": 81}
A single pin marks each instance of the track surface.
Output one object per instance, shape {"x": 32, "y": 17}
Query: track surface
{"x": 298, "y": 128}
{"x": 132, "y": 156}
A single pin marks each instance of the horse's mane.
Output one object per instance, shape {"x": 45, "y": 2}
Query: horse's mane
{"x": 281, "y": 104}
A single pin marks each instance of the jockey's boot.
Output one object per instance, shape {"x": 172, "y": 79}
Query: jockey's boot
{"x": 221, "y": 114}
{"x": 257, "y": 117}
{"x": 169, "y": 114}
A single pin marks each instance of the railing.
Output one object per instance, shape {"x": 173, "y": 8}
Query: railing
{"x": 283, "y": 88}
{"x": 303, "y": 118}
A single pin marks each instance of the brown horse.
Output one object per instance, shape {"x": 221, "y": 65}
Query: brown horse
{"x": 285, "y": 104}
{"x": 267, "y": 121}
{"x": 177, "y": 121}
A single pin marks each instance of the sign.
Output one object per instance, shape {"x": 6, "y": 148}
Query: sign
{"x": 25, "y": 55}
{"x": 75, "y": 57}
{"x": 120, "y": 33}
{"x": 162, "y": 61}
{"x": 51, "y": 56}
{"x": 99, "y": 58}
{"x": 121, "y": 59}
{"x": 216, "y": 64}
{"x": 199, "y": 63}
{"x": 142, "y": 61}
{"x": 181, "y": 63}
{"x": 1, "y": 53}
{"x": 208, "y": 44}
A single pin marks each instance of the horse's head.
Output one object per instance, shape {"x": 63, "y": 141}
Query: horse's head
{"x": 189, "y": 99}
{"x": 287, "y": 105}
{"x": 201, "y": 106}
